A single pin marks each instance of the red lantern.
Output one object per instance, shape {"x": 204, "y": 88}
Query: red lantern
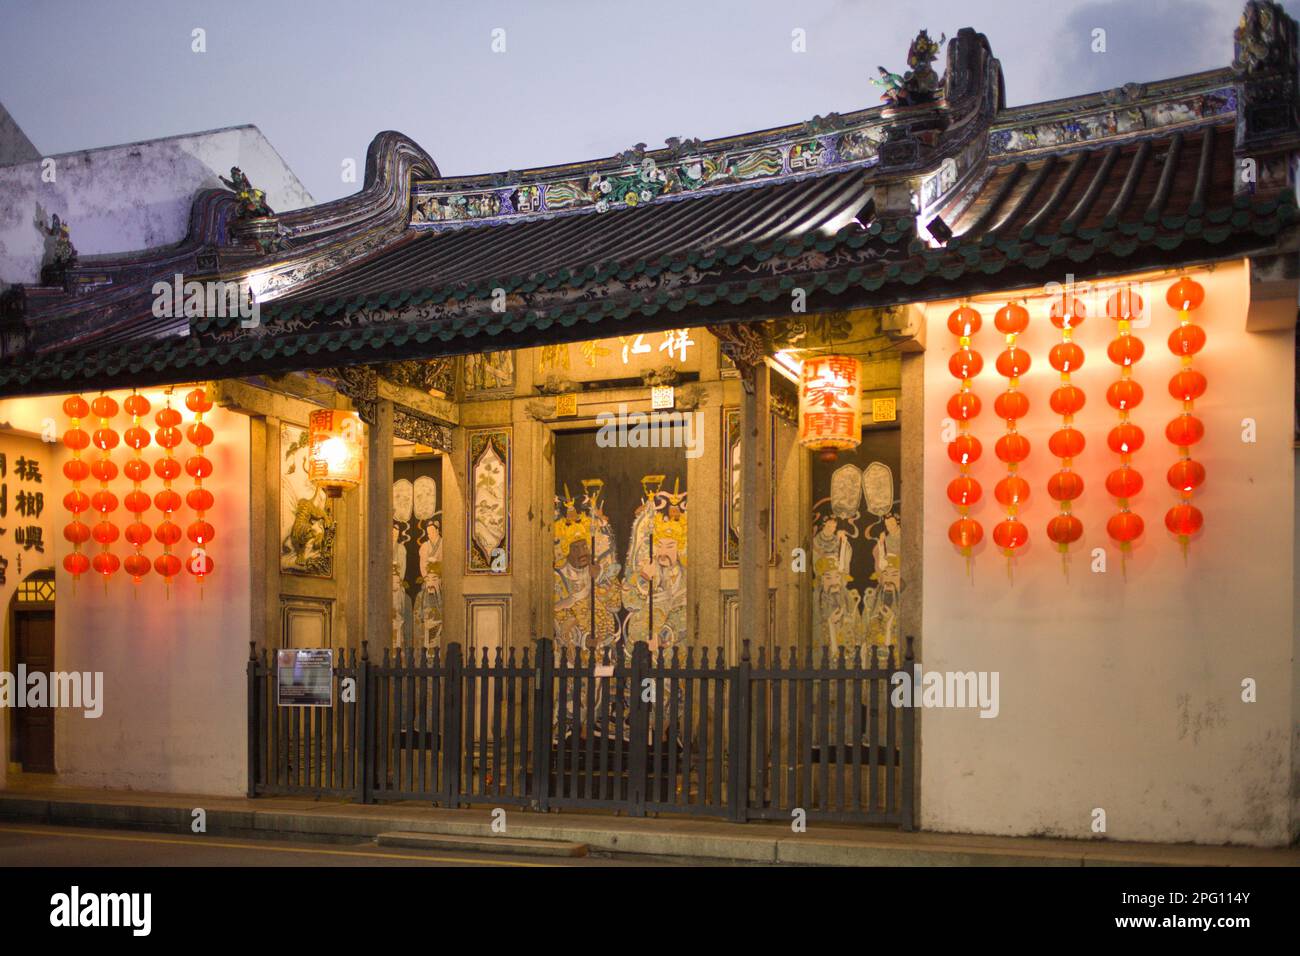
{"x": 965, "y": 533}
{"x": 964, "y": 490}
{"x": 830, "y": 419}
{"x": 198, "y": 467}
{"x": 1125, "y": 438}
{"x": 75, "y": 470}
{"x": 1065, "y": 486}
{"x": 1187, "y": 385}
{"x": 1064, "y": 530}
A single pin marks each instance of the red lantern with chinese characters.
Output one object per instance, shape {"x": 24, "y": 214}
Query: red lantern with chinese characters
{"x": 137, "y": 501}
{"x": 76, "y": 440}
{"x": 965, "y": 449}
{"x": 1187, "y": 385}
{"x": 198, "y": 467}
{"x": 1012, "y": 448}
{"x": 1124, "y": 439}
{"x": 830, "y": 403}
{"x": 168, "y": 468}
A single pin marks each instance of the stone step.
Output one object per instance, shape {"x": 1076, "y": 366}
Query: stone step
{"x": 480, "y": 844}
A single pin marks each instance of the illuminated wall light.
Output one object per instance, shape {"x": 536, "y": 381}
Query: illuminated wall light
{"x": 335, "y": 451}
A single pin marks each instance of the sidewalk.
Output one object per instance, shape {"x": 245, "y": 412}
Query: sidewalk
{"x": 681, "y": 838}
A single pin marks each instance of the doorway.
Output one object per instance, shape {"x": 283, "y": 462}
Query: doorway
{"x": 31, "y": 619}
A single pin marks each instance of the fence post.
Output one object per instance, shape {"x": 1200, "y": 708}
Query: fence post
{"x": 254, "y": 731}
{"x": 906, "y": 809}
{"x": 639, "y": 731}
{"x": 738, "y": 737}
{"x": 365, "y": 758}
{"x": 543, "y": 720}
{"x": 453, "y": 674}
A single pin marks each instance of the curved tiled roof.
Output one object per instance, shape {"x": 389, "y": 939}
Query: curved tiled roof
{"x": 872, "y": 209}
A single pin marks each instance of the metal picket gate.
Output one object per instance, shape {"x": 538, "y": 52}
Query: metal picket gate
{"x": 682, "y": 732}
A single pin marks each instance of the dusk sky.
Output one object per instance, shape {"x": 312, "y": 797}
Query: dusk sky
{"x": 579, "y": 79}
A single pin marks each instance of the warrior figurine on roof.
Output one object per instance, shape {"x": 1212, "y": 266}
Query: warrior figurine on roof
{"x": 252, "y": 201}
{"x": 60, "y": 254}
{"x": 920, "y": 84}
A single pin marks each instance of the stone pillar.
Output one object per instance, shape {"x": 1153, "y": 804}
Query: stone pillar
{"x": 379, "y": 528}
{"x": 755, "y": 508}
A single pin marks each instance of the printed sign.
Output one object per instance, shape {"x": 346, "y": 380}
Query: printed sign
{"x": 305, "y": 678}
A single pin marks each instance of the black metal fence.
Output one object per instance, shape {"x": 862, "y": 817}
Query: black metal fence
{"x": 682, "y": 732}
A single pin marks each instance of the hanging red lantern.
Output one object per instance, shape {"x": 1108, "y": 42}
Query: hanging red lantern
{"x": 1124, "y": 439}
{"x": 1066, "y": 313}
{"x": 1186, "y": 385}
{"x": 137, "y": 501}
{"x": 167, "y": 533}
{"x": 830, "y": 420}
{"x": 1012, "y": 448}
{"x": 965, "y": 449}
{"x": 76, "y": 440}
{"x": 198, "y": 467}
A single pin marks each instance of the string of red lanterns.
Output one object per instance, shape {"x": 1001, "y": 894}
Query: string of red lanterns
{"x": 137, "y": 501}
{"x": 76, "y": 440}
{"x": 1012, "y": 448}
{"x": 1185, "y": 476}
{"x": 964, "y": 449}
{"x": 1126, "y": 525}
{"x": 198, "y": 467}
{"x": 168, "y": 468}
{"x": 1067, "y": 442}
{"x": 104, "y": 501}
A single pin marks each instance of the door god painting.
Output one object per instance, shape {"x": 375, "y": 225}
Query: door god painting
{"x": 856, "y": 551}
{"x": 620, "y": 545}
{"x": 417, "y": 554}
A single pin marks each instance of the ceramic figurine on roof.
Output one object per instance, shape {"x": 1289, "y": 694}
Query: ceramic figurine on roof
{"x": 252, "y": 201}
{"x": 1262, "y": 38}
{"x": 920, "y": 84}
{"x": 60, "y": 255}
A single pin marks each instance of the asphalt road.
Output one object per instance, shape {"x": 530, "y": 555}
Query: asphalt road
{"x": 35, "y": 845}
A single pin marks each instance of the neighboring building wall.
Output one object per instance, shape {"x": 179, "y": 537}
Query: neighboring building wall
{"x": 160, "y": 176}
{"x": 15, "y": 147}
{"x": 173, "y": 663}
{"x": 1122, "y": 693}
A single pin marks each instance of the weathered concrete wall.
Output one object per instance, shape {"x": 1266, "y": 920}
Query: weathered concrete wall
{"x": 129, "y": 197}
{"x": 1122, "y": 691}
{"x": 172, "y": 659}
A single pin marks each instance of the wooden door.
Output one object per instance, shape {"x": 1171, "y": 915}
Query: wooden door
{"x": 34, "y": 647}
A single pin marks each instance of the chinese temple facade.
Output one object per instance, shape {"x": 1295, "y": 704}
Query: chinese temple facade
{"x": 989, "y": 391}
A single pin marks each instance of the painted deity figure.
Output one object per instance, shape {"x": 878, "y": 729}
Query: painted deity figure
{"x": 427, "y": 611}
{"x": 402, "y": 610}
{"x": 887, "y": 555}
{"x": 659, "y": 571}
{"x": 579, "y": 575}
